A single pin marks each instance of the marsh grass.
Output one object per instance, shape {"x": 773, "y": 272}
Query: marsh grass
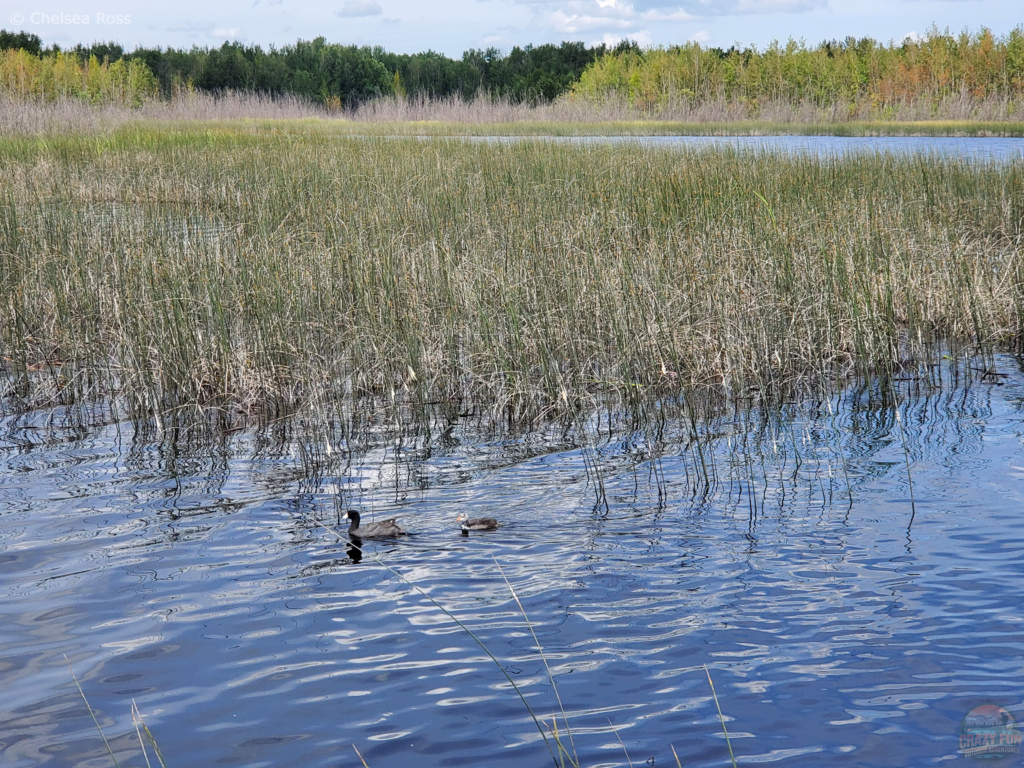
{"x": 253, "y": 272}
{"x": 484, "y": 116}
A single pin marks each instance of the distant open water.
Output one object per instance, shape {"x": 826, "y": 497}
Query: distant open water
{"x": 970, "y": 148}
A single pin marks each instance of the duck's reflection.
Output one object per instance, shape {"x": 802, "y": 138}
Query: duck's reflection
{"x": 355, "y": 550}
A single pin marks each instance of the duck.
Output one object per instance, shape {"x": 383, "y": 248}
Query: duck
{"x": 385, "y": 529}
{"x": 476, "y": 523}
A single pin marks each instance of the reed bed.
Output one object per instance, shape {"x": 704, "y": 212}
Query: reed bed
{"x": 255, "y": 272}
{"x": 484, "y": 116}
{"x": 678, "y": 108}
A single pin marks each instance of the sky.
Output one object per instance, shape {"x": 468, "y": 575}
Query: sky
{"x": 407, "y": 26}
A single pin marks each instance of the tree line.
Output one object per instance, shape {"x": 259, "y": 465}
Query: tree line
{"x": 346, "y": 75}
{"x": 853, "y": 71}
{"x": 978, "y": 65}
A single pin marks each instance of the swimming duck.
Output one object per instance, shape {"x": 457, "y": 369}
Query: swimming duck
{"x": 385, "y": 529}
{"x": 476, "y": 523}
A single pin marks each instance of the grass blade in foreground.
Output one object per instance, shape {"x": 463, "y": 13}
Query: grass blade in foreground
{"x": 137, "y": 719}
{"x": 91, "y": 713}
{"x": 551, "y": 677}
{"x": 720, "y": 717}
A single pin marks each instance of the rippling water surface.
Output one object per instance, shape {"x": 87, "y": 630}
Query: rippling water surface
{"x": 206, "y": 585}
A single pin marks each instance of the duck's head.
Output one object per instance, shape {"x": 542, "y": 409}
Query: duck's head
{"x": 462, "y": 518}
{"x": 352, "y": 517}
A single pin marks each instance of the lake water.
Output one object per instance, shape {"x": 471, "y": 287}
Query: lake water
{"x": 972, "y": 147}
{"x": 206, "y": 585}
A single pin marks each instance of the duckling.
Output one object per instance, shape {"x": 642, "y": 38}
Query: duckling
{"x": 476, "y": 523}
{"x": 385, "y": 529}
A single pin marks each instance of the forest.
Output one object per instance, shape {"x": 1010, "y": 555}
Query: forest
{"x": 845, "y": 73}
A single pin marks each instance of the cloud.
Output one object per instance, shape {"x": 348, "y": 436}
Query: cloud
{"x": 679, "y": 10}
{"x": 615, "y": 20}
{"x": 573, "y": 23}
{"x": 189, "y": 27}
{"x": 641, "y": 37}
{"x": 666, "y": 14}
{"x": 744, "y": 7}
{"x": 619, "y": 19}
{"x": 228, "y": 34}
{"x": 356, "y": 8}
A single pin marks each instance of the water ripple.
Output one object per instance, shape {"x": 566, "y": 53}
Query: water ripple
{"x": 204, "y": 584}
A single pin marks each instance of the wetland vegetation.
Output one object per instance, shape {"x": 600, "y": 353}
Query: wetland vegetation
{"x": 699, "y": 336}
{"x": 255, "y": 271}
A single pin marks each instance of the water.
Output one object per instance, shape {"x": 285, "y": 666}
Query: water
{"x": 205, "y": 585}
{"x": 973, "y": 148}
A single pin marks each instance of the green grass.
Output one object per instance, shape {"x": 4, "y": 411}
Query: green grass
{"x": 252, "y": 269}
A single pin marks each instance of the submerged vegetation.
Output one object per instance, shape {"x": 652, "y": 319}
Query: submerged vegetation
{"x": 254, "y": 272}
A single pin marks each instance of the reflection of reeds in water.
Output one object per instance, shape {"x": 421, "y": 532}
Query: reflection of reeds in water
{"x": 252, "y": 272}
{"x": 765, "y": 441}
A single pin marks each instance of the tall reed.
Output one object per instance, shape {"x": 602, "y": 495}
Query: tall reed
{"x": 255, "y": 270}
{"x": 607, "y": 115}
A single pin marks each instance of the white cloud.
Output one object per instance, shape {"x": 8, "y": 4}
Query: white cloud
{"x": 642, "y": 37}
{"x": 189, "y": 27}
{"x": 614, "y": 20}
{"x": 681, "y": 10}
{"x": 228, "y": 34}
{"x": 743, "y": 7}
{"x": 571, "y": 24}
{"x": 357, "y": 8}
{"x": 619, "y": 19}
{"x": 666, "y": 15}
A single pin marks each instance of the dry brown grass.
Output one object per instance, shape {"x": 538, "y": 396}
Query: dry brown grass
{"x": 565, "y": 116}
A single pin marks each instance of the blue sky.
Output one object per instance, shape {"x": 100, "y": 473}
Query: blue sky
{"x": 453, "y": 26}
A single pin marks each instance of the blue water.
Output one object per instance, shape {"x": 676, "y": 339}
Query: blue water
{"x": 970, "y": 148}
{"x": 205, "y": 584}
